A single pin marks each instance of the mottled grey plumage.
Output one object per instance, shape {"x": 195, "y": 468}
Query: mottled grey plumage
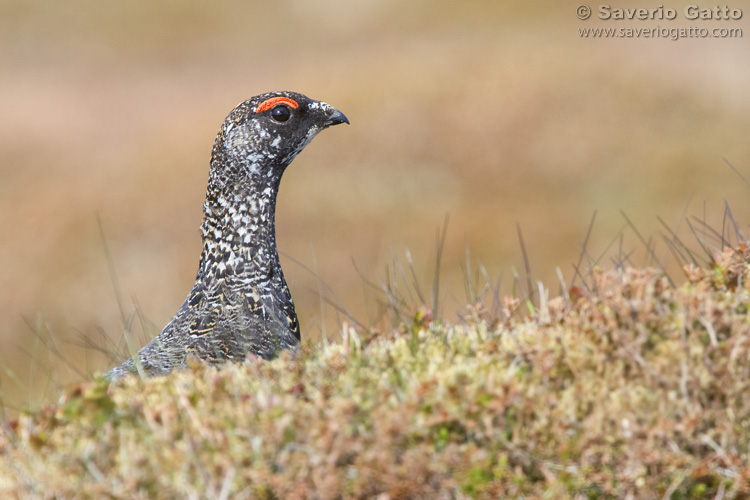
{"x": 240, "y": 302}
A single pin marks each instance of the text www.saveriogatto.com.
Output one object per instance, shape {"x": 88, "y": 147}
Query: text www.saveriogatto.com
{"x": 729, "y": 16}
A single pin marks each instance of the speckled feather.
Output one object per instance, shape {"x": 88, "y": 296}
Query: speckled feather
{"x": 240, "y": 302}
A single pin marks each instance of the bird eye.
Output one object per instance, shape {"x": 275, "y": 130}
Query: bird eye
{"x": 281, "y": 113}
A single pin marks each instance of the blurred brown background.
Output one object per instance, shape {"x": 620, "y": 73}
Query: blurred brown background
{"x": 494, "y": 113}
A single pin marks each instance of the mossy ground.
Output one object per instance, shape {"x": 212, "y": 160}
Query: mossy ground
{"x": 629, "y": 387}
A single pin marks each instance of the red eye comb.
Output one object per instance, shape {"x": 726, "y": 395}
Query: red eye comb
{"x": 273, "y": 101}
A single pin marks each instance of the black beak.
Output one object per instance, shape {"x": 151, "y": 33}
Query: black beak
{"x": 336, "y": 118}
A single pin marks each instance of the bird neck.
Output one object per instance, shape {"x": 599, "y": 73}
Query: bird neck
{"x": 239, "y": 235}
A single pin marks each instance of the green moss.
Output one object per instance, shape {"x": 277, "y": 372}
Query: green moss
{"x": 476, "y": 481}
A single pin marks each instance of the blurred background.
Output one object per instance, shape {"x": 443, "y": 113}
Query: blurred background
{"x": 496, "y": 114}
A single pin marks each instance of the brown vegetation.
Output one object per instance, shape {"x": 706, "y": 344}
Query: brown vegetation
{"x": 625, "y": 387}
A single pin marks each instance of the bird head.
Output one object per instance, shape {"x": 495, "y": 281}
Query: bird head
{"x": 267, "y": 131}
